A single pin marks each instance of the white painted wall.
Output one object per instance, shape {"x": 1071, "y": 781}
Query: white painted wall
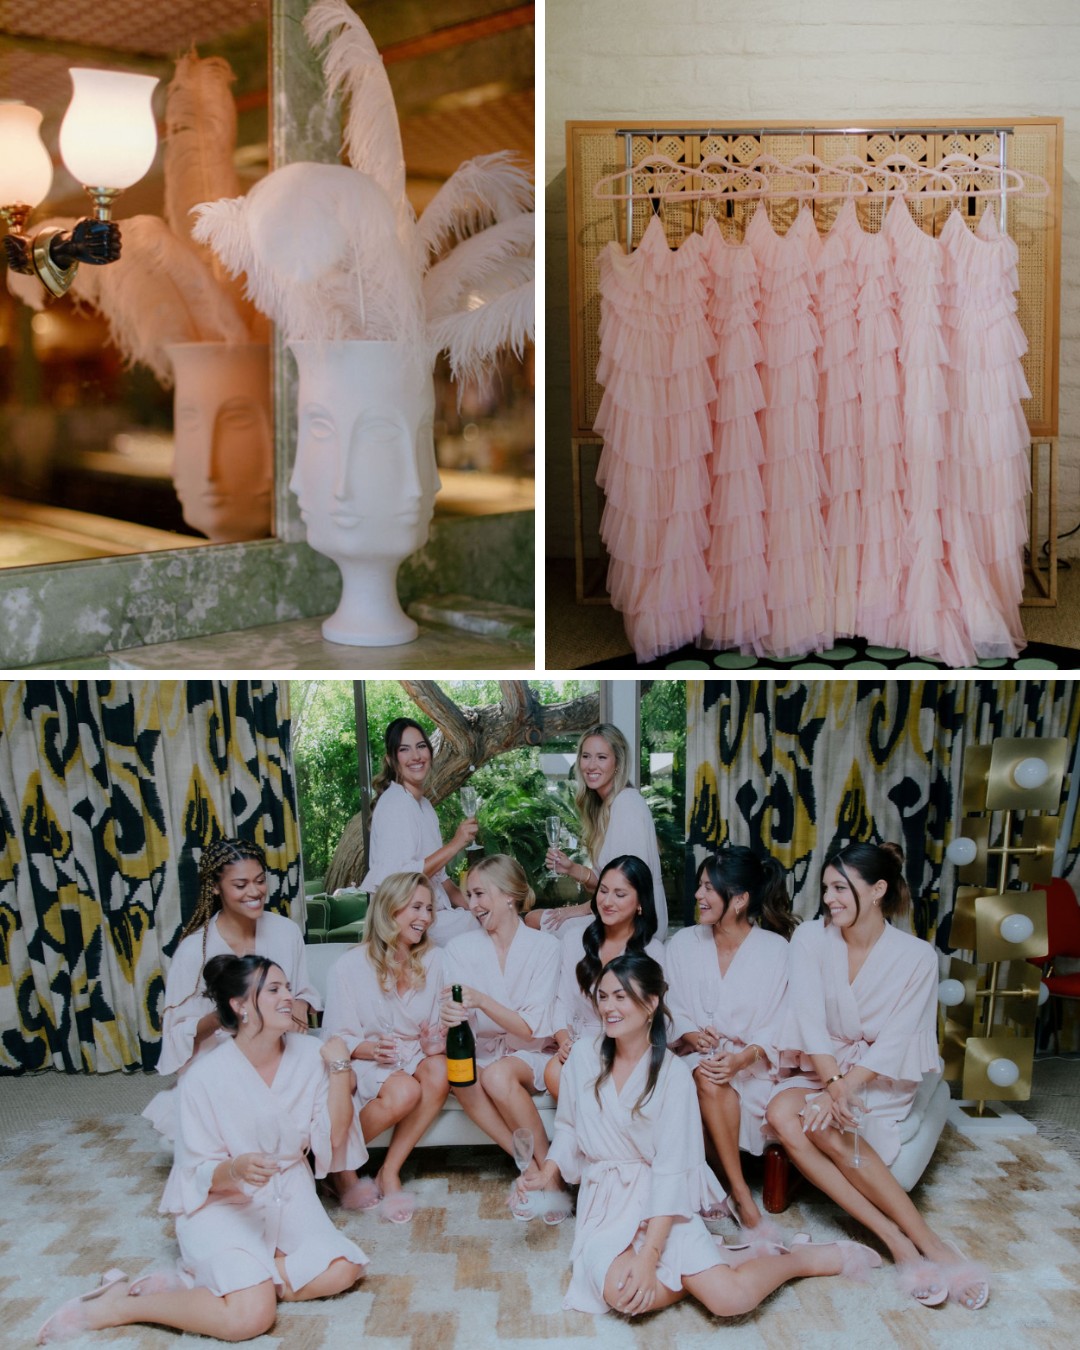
{"x": 807, "y": 60}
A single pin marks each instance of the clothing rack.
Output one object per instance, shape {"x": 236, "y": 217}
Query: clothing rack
{"x": 628, "y": 133}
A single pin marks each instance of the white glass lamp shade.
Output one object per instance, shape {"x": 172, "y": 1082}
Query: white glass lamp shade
{"x": 1016, "y": 928}
{"x": 1044, "y": 993}
{"x": 950, "y": 993}
{"x": 1031, "y": 773}
{"x": 1002, "y": 1073}
{"x": 25, "y": 167}
{"x": 961, "y": 852}
{"x": 108, "y": 137}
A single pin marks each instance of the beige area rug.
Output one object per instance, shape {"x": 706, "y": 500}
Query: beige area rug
{"x": 84, "y": 1197}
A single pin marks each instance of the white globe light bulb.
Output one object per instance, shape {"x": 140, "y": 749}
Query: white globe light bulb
{"x": 1002, "y": 1073}
{"x": 961, "y": 852}
{"x": 1016, "y": 927}
{"x": 950, "y": 993}
{"x": 1044, "y": 993}
{"x": 1031, "y": 773}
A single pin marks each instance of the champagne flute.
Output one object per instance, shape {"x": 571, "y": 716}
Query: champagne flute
{"x": 712, "y": 1016}
{"x": 470, "y": 804}
{"x": 523, "y": 1143}
{"x": 268, "y": 1139}
{"x": 388, "y": 1033}
{"x": 553, "y": 831}
{"x": 857, "y": 1107}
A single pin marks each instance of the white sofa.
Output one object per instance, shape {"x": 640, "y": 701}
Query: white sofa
{"x": 452, "y": 1125}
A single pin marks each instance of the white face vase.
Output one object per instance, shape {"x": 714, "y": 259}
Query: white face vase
{"x": 365, "y": 475}
{"x": 223, "y": 467}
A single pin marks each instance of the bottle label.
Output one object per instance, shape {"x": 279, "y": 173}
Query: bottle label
{"x": 461, "y": 1070}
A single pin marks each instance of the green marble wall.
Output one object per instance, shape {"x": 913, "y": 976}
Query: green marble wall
{"x": 58, "y": 613}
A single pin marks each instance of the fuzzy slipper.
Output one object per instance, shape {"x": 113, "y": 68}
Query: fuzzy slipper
{"x": 924, "y": 1282}
{"x": 397, "y": 1207}
{"x": 556, "y": 1207}
{"x": 859, "y": 1260}
{"x": 965, "y": 1275}
{"x": 363, "y": 1193}
{"x": 69, "y": 1320}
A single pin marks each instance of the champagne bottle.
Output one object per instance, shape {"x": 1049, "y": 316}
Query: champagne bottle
{"x": 460, "y": 1049}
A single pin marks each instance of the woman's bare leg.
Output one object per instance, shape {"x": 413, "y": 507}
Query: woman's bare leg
{"x": 398, "y": 1095}
{"x": 430, "y": 1075}
{"x": 239, "y": 1316}
{"x": 509, "y": 1086}
{"x": 553, "y": 1075}
{"x": 729, "y": 1292}
{"x": 338, "y": 1276}
{"x": 720, "y": 1109}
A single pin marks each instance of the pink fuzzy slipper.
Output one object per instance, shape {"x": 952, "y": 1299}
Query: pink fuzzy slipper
{"x": 363, "y": 1193}
{"x": 924, "y": 1282}
{"x": 964, "y": 1275}
{"x": 69, "y": 1320}
{"x": 397, "y": 1207}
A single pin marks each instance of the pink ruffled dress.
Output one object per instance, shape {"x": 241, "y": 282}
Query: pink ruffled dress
{"x": 799, "y": 593}
{"x": 656, "y": 420}
{"x": 987, "y": 432}
{"x": 930, "y": 613}
{"x": 735, "y": 610}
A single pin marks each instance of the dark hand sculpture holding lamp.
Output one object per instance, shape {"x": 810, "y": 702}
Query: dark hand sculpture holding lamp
{"x": 107, "y": 139}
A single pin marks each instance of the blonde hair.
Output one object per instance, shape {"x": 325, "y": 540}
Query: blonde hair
{"x": 594, "y": 810}
{"x": 381, "y": 932}
{"x": 508, "y": 876}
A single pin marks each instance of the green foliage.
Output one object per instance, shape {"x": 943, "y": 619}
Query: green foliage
{"x": 324, "y": 753}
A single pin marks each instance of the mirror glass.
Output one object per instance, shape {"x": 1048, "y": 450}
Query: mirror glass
{"x": 99, "y": 457}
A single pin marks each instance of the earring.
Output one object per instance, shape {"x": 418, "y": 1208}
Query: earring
{"x": 639, "y": 909}
{"x": 243, "y": 1017}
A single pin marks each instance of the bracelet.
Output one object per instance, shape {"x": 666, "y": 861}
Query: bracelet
{"x": 757, "y": 1053}
{"x": 834, "y": 1078}
{"x": 651, "y": 1247}
{"x": 340, "y": 1065}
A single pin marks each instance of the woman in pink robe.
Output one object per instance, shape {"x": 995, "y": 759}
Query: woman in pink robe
{"x": 230, "y": 919}
{"x": 508, "y": 975}
{"x": 861, "y": 1029}
{"x": 615, "y": 820}
{"x": 728, "y": 977}
{"x": 405, "y": 832}
{"x": 627, "y": 1129}
{"x": 250, "y": 1226}
{"x": 382, "y": 1000}
{"x": 625, "y": 920}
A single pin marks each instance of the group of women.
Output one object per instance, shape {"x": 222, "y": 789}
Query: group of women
{"x": 741, "y": 1028}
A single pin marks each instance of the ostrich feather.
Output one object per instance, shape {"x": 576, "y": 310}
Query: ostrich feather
{"x": 481, "y": 192}
{"x": 159, "y": 292}
{"x": 476, "y": 258}
{"x": 320, "y": 248}
{"x": 473, "y": 338}
{"x": 372, "y": 133}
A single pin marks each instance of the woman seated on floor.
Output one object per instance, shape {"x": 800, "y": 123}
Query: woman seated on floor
{"x": 382, "y": 1000}
{"x": 624, "y": 920}
{"x": 728, "y": 977}
{"x": 861, "y": 1029}
{"x": 250, "y": 1227}
{"x": 508, "y": 975}
{"x": 230, "y": 919}
{"x": 628, "y": 1129}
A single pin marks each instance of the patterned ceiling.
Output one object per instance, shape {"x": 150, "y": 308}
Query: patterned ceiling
{"x": 150, "y": 29}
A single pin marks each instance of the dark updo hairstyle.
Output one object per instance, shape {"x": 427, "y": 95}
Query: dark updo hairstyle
{"x": 388, "y": 773}
{"x": 229, "y": 977}
{"x": 640, "y": 878}
{"x": 874, "y": 863}
{"x": 643, "y": 979}
{"x": 737, "y": 870}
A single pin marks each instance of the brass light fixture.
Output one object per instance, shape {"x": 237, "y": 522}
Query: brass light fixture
{"x": 108, "y": 140}
{"x": 990, "y": 1006}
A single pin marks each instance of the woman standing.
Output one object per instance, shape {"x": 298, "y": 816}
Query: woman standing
{"x": 250, "y": 1226}
{"x": 508, "y": 975}
{"x": 230, "y": 919}
{"x": 625, "y": 920}
{"x": 405, "y": 835}
{"x": 861, "y": 1026}
{"x": 615, "y": 820}
{"x": 728, "y": 977}
{"x": 627, "y": 1129}
{"x": 382, "y": 1000}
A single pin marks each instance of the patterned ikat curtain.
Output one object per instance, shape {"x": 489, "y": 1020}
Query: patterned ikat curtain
{"x": 798, "y": 769}
{"x": 109, "y": 790}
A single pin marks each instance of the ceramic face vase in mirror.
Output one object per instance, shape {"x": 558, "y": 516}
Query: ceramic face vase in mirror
{"x": 365, "y": 475}
{"x": 223, "y": 466}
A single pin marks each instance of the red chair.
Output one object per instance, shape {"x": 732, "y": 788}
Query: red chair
{"x": 1063, "y": 938}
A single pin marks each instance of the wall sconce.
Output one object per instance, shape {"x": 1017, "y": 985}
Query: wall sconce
{"x": 107, "y": 140}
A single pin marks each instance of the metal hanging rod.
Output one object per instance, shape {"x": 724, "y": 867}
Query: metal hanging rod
{"x": 939, "y": 130}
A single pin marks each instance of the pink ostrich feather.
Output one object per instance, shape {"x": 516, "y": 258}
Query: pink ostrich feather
{"x": 481, "y": 192}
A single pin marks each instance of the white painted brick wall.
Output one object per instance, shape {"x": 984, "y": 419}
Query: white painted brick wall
{"x": 808, "y": 60}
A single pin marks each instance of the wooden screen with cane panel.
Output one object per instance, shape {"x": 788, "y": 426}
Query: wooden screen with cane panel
{"x": 593, "y": 151}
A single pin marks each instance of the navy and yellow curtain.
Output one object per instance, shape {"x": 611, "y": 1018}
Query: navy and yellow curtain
{"x": 798, "y": 769}
{"x": 109, "y": 791}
